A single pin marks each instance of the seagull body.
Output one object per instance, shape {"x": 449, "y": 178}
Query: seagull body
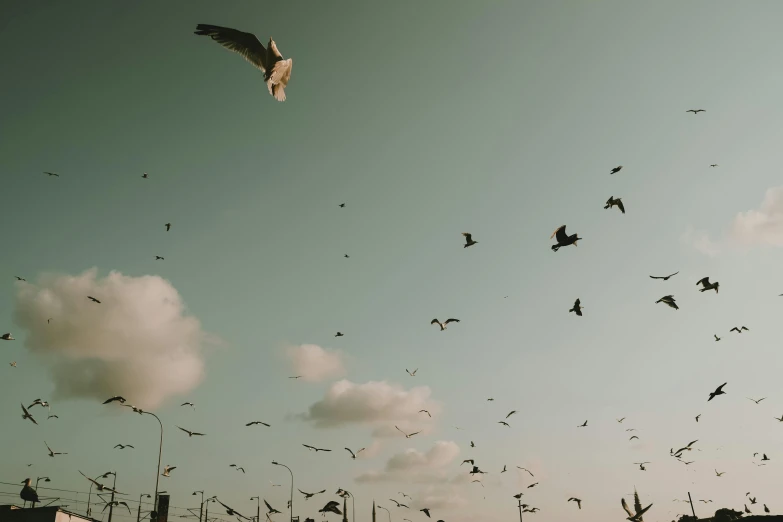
{"x": 412, "y": 373}
{"x": 706, "y": 285}
{"x": 739, "y": 330}
{"x": 159, "y": 258}
{"x": 20, "y": 278}
{"x": 714, "y": 165}
{"x": 444, "y": 323}
{"x": 665, "y": 278}
{"x": 39, "y": 402}
{"x": 468, "y": 240}
{"x": 719, "y": 473}
{"x": 695, "y": 111}
{"x": 123, "y": 446}
{"x": 504, "y": 423}
{"x": 426, "y": 511}
{"x": 277, "y": 71}
{"x": 525, "y": 469}
{"x": 310, "y": 495}
{"x": 615, "y": 202}
{"x": 339, "y": 334}
{"x": 253, "y": 423}
{"x": 637, "y": 516}
{"x": 188, "y": 404}
{"x": 145, "y": 176}
{"x": 616, "y": 169}
{"x": 12, "y": 364}
{"x": 191, "y": 433}
{"x": 578, "y": 501}
{"x": 427, "y": 412}
{"x": 167, "y": 470}
{"x": 53, "y": 453}
{"x": 28, "y": 494}
{"x": 577, "y": 309}
{"x": 331, "y": 507}
{"x": 94, "y": 300}
{"x": 408, "y": 435}
{"x": 313, "y": 448}
{"x": 353, "y": 455}
{"x": 582, "y": 425}
{"x": 563, "y": 239}
{"x": 116, "y": 398}
{"x": 7, "y": 337}
{"x": 26, "y": 414}
{"x": 668, "y": 300}
{"x": 718, "y": 391}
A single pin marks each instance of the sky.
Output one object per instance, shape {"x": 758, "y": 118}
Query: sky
{"x": 427, "y": 119}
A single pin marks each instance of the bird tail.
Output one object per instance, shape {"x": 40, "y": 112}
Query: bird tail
{"x": 276, "y": 90}
{"x": 555, "y": 248}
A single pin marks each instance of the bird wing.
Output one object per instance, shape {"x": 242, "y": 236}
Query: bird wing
{"x": 577, "y": 302}
{"x": 560, "y": 233}
{"x": 620, "y": 205}
{"x": 309, "y": 447}
{"x": 447, "y": 321}
{"x": 270, "y": 508}
{"x": 414, "y": 433}
{"x": 245, "y": 44}
{"x": 186, "y": 431}
{"x": 704, "y": 281}
{"x": 626, "y": 508}
{"x": 351, "y": 452}
{"x": 468, "y": 236}
{"x": 398, "y": 429}
{"x": 514, "y": 411}
{"x": 733, "y": 329}
{"x": 434, "y": 321}
{"x": 720, "y": 388}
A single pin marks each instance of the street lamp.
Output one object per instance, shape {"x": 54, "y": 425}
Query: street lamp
{"x": 291, "y": 503}
{"x": 386, "y": 510}
{"x": 45, "y": 479}
{"x": 258, "y": 510}
{"x": 206, "y": 513}
{"x": 157, "y": 471}
{"x": 113, "y": 488}
{"x": 201, "y": 506}
{"x": 138, "y": 514}
{"x": 353, "y": 501}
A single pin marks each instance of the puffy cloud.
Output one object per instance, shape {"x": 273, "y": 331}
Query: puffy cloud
{"x": 763, "y": 226}
{"x": 314, "y": 363}
{"x": 699, "y": 240}
{"x": 414, "y": 466}
{"x": 138, "y": 342}
{"x": 375, "y": 403}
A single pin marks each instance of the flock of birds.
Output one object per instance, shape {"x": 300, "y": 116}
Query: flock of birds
{"x": 277, "y": 73}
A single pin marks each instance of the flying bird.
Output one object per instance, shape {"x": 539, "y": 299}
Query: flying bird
{"x": 616, "y": 169}
{"x": 512, "y": 412}
{"x": 426, "y": 511}
{"x": 719, "y": 473}
{"x": 525, "y": 469}
{"x": 145, "y": 176}
{"x": 12, "y": 364}
{"x": 116, "y": 503}
{"x": 739, "y": 330}
{"x": 408, "y": 435}
{"x": 716, "y": 338}
{"x": 636, "y": 515}
{"x": 695, "y": 111}
{"x": 253, "y": 423}
{"x": 468, "y": 240}
{"x": 477, "y": 471}
{"x": 668, "y": 300}
{"x": 123, "y": 446}
{"x": 116, "y": 398}
{"x": 313, "y": 448}
{"x": 270, "y": 509}
{"x": 52, "y": 417}
{"x": 612, "y": 202}
{"x": 331, "y": 507}
{"x": 188, "y": 404}
{"x": 7, "y": 337}
{"x": 714, "y": 165}
{"x": 412, "y": 373}
{"x": 633, "y": 437}
{"x": 398, "y": 503}
{"x": 26, "y": 414}
{"x": 39, "y": 402}
{"x": 341, "y": 205}
{"x": 697, "y": 417}
{"x": 756, "y": 401}
{"x": 94, "y": 300}
{"x": 504, "y": 469}
{"x": 582, "y": 425}
{"x": 577, "y": 309}
{"x": 191, "y": 433}
{"x": 159, "y": 258}
{"x": 20, "y": 278}
{"x": 620, "y": 420}
{"x": 444, "y": 323}
{"x": 277, "y": 71}
{"x": 295, "y": 377}
{"x": 339, "y": 334}
{"x": 563, "y": 239}
{"x": 665, "y": 278}
{"x": 168, "y": 226}
{"x": 167, "y": 470}
{"x": 311, "y": 495}
{"x": 504, "y": 423}
{"x": 534, "y": 484}
{"x": 100, "y": 486}
{"x": 578, "y": 501}
{"x": 718, "y": 391}
{"x": 641, "y": 465}
{"x": 353, "y": 455}
{"x": 52, "y": 174}
{"x": 764, "y": 457}
{"x": 780, "y": 419}
{"x": 53, "y": 453}
{"x": 468, "y": 461}
{"x": 427, "y": 412}
{"x": 705, "y": 283}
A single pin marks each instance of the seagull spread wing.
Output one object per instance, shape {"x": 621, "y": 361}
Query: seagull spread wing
{"x": 245, "y": 44}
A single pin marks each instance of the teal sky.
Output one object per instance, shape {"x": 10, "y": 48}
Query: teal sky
{"x": 427, "y": 119}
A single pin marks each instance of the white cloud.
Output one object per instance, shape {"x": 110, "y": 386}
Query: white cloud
{"x": 701, "y": 241}
{"x": 138, "y": 342}
{"x": 314, "y": 363}
{"x": 763, "y": 226}
{"x": 375, "y": 403}
{"x": 414, "y": 466}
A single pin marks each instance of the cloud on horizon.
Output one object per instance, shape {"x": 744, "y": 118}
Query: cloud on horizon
{"x": 138, "y": 342}
{"x": 415, "y": 466}
{"x": 375, "y": 403}
{"x": 314, "y": 363}
{"x": 762, "y": 227}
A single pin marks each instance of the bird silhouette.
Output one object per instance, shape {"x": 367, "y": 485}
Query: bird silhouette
{"x": 188, "y": 404}
{"x": 714, "y": 165}
{"x": 563, "y": 239}
{"x": 123, "y": 446}
{"x": 525, "y": 469}
{"x": 277, "y": 71}
{"x": 313, "y": 448}
{"x": 339, "y": 334}
{"x": 7, "y": 337}
{"x": 191, "y": 433}
{"x": 668, "y": 300}
{"x": 412, "y": 373}
{"x": 718, "y": 391}
{"x": 53, "y": 453}
{"x": 159, "y": 258}
{"x": 408, "y": 435}
{"x": 616, "y": 169}
{"x": 577, "y": 309}
{"x": 615, "y": 202}
{"x": 582, "y": 425}
{"x": 253, "y": 423}
{"x": 578, "y": 501}
{"x": 353, "y": 455}
{"x": 270, "y": 509}
{"x": 706, "y": 285}
{"x": 168, "y": 226}
{"x": 739, "y": 330}
{"x": 695, "y": 111}
{"x": 719, "y": 473}
{"x": 167, "y": 470}
{"x": 665, "y": 278}
{"x": 94, "y": 300}
{"x": 308, "y": 496}
{"x": 641, "y": 465}
{"x": 116, "y": 398}
{"x": 755, "y": 400}
{"x": 716, "y": 338}
{"x": 26, "y": 414}
{"x": 427, "y": 412}
{"x": 444, "y": 323}
{"x": 468, "y": 239}
{"x": 28, "y": 494}
{"x": 426, "y": 511}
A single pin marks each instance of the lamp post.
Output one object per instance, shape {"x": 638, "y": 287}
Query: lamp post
{"x": 201, "y": 506}
{"x": 353, "y": 502}
{"x": 258, "y": 510}
{"x": 138, "y": 513}
{"x": 157, "y": 471}
{"x": 386, "y": 510}
{"x": 45, "y": 479}
{"x": 113, "y": 488}
{"x": 520, "y": 509}
{"x": 206, "y": 512}
{"x": 291, "y": 503}
{"x": 89, "y": 496}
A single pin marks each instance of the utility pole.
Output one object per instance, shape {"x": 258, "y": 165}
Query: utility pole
{"x": 111, "y": 503}
{"x": 691, "y": 501}
{"x": 520, "y": 509}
